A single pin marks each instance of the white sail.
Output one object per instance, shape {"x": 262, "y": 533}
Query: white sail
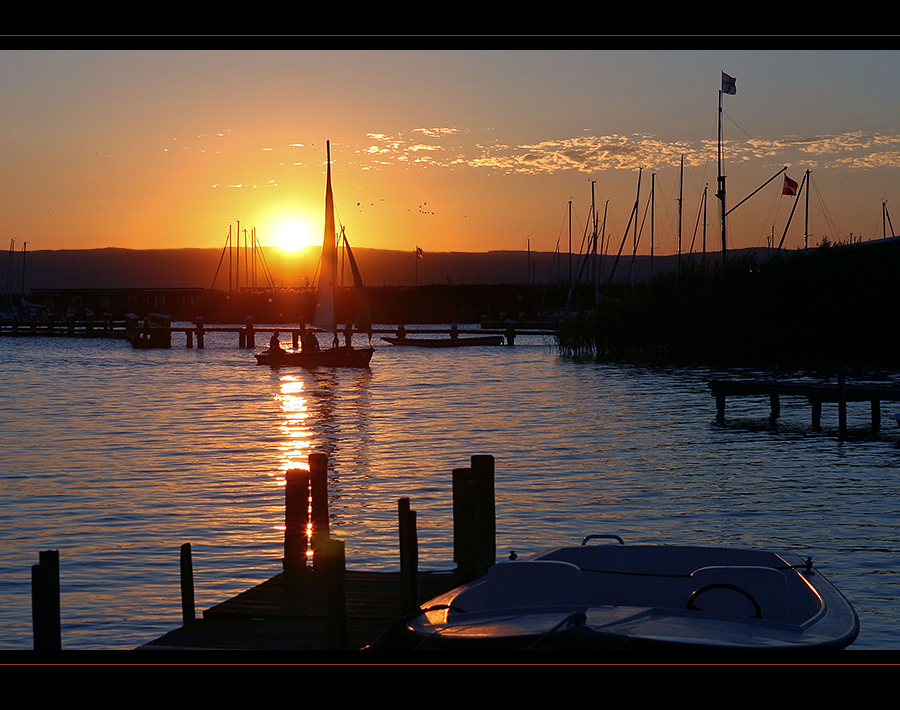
{"x": 324, "y": 315}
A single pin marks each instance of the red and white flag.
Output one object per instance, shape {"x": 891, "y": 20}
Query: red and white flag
{"x": 419, "y": 253}
{"x": 790, "y": 186}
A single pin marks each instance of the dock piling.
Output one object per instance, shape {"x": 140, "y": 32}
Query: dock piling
{"x": 318, "y": 482}
{"x": 474, "y": 534}
{"x": 296, "y": 519}
{"x": 332, "y": 561}
{"x": 187, "y": 584}
{"x": 409, "y": 558}
{"x": 45, "y": 604}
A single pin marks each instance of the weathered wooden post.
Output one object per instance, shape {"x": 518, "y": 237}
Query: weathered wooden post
{"x": 187, "y": 585}
{"x": 332, "y": 560}
{"x": 474, "y": 526}
{"x": 198, "y": 321}
{"x": 296, "y": 520}
{"x": 842, "y": 402}
{"x": 295, "y": 339}
{"x": 45, "y": 610}
{"x": 189, "y": 338}
{"x": 816, "y": 413}
{"x": 775, "y": 407}
{"x": 409, "y": 558}
{"x": 318, "y": 480}
{"x": 250, "y": 341}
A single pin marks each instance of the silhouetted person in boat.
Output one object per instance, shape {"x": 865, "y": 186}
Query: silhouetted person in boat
{"x": 308, "y": 341}
{"x": 274, "y": 344}
{"x": 348, "y": 334}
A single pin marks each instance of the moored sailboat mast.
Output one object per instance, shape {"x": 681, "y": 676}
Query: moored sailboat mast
{"x": 728, "y": 87}
{"x": 324, "y": 314}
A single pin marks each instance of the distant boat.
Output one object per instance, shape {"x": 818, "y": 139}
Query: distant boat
{"x": 445, "y": 342}
{"x": 329, "y": 357}
{"x": 637, "y": 597}
{"x": 324, "y": 319}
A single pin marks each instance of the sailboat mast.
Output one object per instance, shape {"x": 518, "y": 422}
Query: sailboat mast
{"x": 680, "y": 206}
{"x": 720, "y": 193}
{"x": 652, "y": 222}
{"x": 806, "y": 220}
{"x": 570, "y": 241}
{"x": 594, "y": 247}
{"x": 324, "y": 317}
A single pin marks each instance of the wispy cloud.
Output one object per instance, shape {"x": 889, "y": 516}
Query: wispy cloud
{"x": 592, "y": 154}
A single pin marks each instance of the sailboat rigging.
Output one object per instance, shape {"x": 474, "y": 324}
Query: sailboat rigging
{"x": 324, "y": 318}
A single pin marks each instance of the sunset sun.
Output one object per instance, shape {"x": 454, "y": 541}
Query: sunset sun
{"x": 294, "y": 236}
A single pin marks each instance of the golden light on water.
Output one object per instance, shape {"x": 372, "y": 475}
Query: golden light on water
{"x": 296, "y": 443}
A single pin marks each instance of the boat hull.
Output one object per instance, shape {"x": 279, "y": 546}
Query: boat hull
{"x": 331, "y": 357}
{"x": 445, "y": 342}
{"x": 640, "y": 597}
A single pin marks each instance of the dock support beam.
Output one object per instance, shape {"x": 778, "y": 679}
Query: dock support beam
{"x": 332, "y": 561}
{"x": 409, "y": 558}
{"x": 45, "y": 607}
{"x": 187, "y": 585}
{"x": 296, "y": 520}
{"x": 474, "y": 525}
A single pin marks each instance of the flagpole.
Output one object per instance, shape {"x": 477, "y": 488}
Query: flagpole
{"x": 721, "y": 180}
{"x": 806, "y": 222}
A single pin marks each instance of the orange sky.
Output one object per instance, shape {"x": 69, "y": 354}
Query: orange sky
{"x": 446, "y": 150}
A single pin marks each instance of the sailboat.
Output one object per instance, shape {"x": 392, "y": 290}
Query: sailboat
{"x": 324, "y": 320}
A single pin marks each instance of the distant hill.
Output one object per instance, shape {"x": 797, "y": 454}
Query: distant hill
{"x": 191, "y": 268}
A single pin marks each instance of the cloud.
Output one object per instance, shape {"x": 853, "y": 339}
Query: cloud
{"x": 592, "y": 154}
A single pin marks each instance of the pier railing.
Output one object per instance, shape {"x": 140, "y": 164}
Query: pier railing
{"x": 156, "y": 330}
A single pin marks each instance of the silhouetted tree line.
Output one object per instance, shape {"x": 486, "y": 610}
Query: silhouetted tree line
{"x": 834, "y": 306}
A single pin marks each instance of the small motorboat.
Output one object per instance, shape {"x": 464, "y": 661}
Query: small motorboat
{"x": 618, "y": 596}
{"x": 328, "y": 357}
{"x": 445, "y": 342}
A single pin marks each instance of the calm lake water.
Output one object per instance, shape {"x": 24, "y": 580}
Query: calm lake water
{"x": 116, "y": 457}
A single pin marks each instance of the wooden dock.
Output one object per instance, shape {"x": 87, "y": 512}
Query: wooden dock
{"x": 816, "y": 394}
{"x": 316, "y": 603}
{"x": 156, "y": 330}
{"x": 290, "y": 612}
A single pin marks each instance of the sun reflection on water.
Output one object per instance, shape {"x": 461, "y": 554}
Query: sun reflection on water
{"x": 296, "y": 443}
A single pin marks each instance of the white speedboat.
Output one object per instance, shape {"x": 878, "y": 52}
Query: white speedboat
{"x": 618, "y": 596}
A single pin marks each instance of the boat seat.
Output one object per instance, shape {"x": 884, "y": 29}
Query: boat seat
{"x": 532, "y": 583}
{"x": 732, "y": 590}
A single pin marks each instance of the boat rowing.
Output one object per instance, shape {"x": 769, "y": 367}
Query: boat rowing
{"x": 330, "y": 357}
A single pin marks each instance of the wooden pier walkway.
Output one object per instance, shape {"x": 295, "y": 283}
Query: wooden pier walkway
{"x": 290, "y": 612}
{"x": 817, "y": 394}
{"x": 156, "y": 330}
{"x": 316, "y": 603}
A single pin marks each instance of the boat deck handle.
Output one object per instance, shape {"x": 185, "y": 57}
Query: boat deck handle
{"x": 595, "y": 537}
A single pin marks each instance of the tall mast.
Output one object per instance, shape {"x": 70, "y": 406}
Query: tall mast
{"x": 680, "y": 204}
{"x": 570, "y": 241}
{"x": 728, "y": 87}
{"x": 594, "y": 248}
{"x": 325, "y": 316}
{"x": 652, "y": 221}
{"x": 806, "y": 222}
